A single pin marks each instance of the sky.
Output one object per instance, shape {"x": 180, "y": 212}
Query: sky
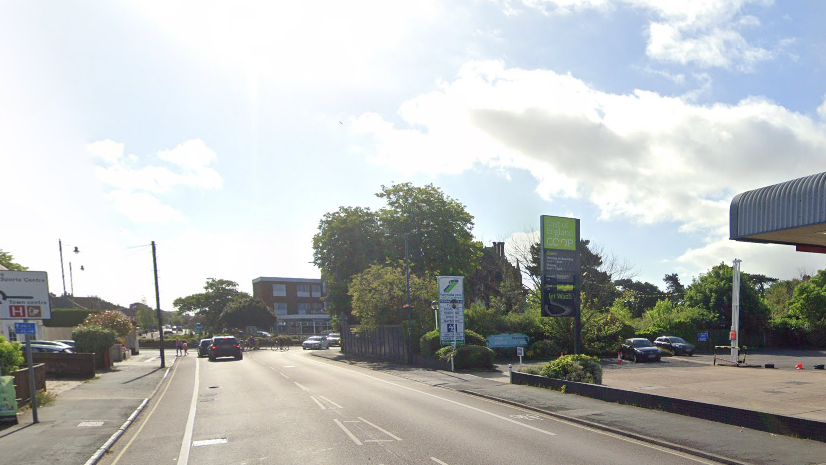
{"x": 224, "y": 131}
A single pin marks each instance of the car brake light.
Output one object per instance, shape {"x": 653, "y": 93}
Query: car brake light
{"x": 214, "y": 347}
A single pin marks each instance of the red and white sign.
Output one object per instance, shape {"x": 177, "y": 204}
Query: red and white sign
{"x": 24, "y": 295}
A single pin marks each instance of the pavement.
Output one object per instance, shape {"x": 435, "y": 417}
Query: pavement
{"x": 87, "y": 417}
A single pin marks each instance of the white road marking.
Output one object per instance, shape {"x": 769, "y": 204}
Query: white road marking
{"x": 210, "y": 442}
{"x": 437, "y": 461}
{"x": 282, "y": 374}
{"x": 319, "y": 403}
{"x": 331, "y": 402}
{"x": 183, "y": 456}
{"x": 90, "y": 424}
{"x": 381, "y": 429}
{"x": 150, "y": 360}
{"x": 344, "y": 428}
{"x": 302, "y": 387}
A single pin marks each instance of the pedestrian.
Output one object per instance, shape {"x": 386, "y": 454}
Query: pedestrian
{"x": 186, "y": 348}
{"x": 179, "y": 347}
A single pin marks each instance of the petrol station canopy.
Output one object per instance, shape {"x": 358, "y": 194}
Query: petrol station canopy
{"x": 791, "y": 213}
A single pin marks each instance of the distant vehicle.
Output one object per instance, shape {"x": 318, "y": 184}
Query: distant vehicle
{"x": 225, "y": 346}
{"x": 68, "y": 342}
{"x": 334, "y": 340}
{"x": 203, "y": 347}
{"x": 675, "y": 344}
{"x": 167, "y": 331}
{"x": 639, "y": 350}
{"x": 263, "y": 334}
{"x": 315, "y": 342}
{"x": 53, "y": 349}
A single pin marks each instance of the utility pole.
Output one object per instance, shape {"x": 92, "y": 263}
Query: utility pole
{"x": 62, "y": 273}
{"x": 158, "y": 302}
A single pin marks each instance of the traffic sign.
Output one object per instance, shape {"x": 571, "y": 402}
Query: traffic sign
{"x": 24, "y": 295}
{"x": 25, "y": 328}
{"x": 702, "y": 337}
{"x": 198, "y": 327}
{"x": 451, "y": 309}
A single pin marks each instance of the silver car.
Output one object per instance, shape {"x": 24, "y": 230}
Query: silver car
{"x": 315, "y": 342}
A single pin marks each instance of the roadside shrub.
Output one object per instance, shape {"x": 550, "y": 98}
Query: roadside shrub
{"x": 11, "y": 356}
{"x": 578, "y": 368}
{"x": 543, "y": 349}
{"x": 531, "y": 369}
{"x": 116, "y": 321}
{"x": 473, "y": 338}
{"x": 473, "y": 356}
{"x": 444, "y": 353}
{"x": 429, "y": 344}
{"x": 93, "y": 339}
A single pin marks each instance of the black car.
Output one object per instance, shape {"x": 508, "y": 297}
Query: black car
{"x": 675, "y": 344}
{"x": 224, "y": 346}
{"x": 203, "y": 347}
{"x": 639, "y": 350}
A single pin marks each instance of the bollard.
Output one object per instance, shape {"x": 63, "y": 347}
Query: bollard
{"x": 510, "y": 373}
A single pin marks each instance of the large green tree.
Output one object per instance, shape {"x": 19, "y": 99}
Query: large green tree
{"x": 639, "y": 296}
{"x": 218, "y": 293}
{"x": 7, "y": 261}
{"x": 145, "y": 316}
{"x": 245, "y": 310}
{"x": 439, "y": 230}
{"x": 712, "y": 291}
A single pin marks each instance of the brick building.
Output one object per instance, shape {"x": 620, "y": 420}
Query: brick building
{"x": 297, "y": 302}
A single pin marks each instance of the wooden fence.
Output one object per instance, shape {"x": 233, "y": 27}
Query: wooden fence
{"x": 385, "y": 342}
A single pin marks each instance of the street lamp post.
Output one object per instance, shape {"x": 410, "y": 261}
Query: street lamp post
{"x": 62, "y": 272}
{"x": 435, "y": 306}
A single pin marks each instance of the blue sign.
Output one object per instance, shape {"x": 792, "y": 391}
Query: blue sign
{"x": 198, "y": 327}
{"x": 25, "y": 328}
{"x": 702, "y": 337}
{"x": 508, "y": 340}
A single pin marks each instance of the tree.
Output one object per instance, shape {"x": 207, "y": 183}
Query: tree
{"x": 760, "y": 281}
{"x": 116, "y": 321}
{"x": 638, "y": 296}
{"x": 379, "y": 294}
{"x": 674, "y": 287}
{"x": 245, "y": 310}
{"x": 808, "y": 303}
{"x": 438, "y": 228}
{"x": 218, "y": 293}
{"x": 778, "y": 297}
{"x": 144, "y": 315}
{"x": 496, "y": 281}
{"x": 712, "y": 291}
{"x": 8, "y": 261}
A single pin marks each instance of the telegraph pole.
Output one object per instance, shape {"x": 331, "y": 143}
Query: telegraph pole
{"x": 158, "y": 302}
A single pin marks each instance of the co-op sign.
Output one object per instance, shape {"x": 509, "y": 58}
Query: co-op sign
{"x": 24, "y": 295}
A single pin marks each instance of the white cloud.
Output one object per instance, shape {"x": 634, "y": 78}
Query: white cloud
{"x": 135, "y": 188}
{"x": 640, "y": 155}
{"x": 704, "y": 33}
{"x": 821, "y": 110}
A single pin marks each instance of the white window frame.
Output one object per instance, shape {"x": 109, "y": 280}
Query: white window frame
{"x": 279, "y": 290}
{"x": 300, "y": 290}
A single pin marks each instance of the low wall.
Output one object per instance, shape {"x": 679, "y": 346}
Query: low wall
{"x": 67, "y": 365}
{"x": 761, "y": 421}
{"x": 21, "y": 381}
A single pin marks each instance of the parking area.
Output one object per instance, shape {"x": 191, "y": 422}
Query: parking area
{"x": 783, "y": 390}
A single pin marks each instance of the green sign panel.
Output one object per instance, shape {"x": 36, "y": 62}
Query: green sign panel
{"x": 561, "y": 276}
{"x": 8, "y": 401}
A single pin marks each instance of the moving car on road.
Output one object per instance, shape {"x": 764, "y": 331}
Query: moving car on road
{"x": 225, "y": 346}
{"x": 334, "y": 340}
{"x": 203, "y": 347}
{"x": 639, "y": 350}
{"x": 675, "y": 344}
{"x": 315, "y": 342}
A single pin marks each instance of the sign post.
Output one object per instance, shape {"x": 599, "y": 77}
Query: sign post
{"x": 560, "y": 270}
{"x": 24, "y": 295}
{"x": 452, "y": 311}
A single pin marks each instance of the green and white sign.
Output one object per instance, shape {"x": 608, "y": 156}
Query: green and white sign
{"x": 451, "y": 309}
{"x": 561, "y": 275}
{"x": 8, "y": 401}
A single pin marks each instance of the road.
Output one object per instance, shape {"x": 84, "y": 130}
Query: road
{"x": 291, "y": 407}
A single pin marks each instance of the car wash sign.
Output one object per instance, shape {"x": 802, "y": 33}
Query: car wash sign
{"x": 451, "y": 309}
{"x": 24, "y": 295}
{"x": 560, "y": 268}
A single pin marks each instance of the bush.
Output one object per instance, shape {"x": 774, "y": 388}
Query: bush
{"x": 11, "y": 356}
{"x": 93, "y": 339}
{"x": 473, "y": 338}
{"x": 111, "y": 319}
{"x": 543, "y": 349}
{"x": 468, "y": 357}
{"x": 578, "y": 368}
{"x": 429, "y": 344}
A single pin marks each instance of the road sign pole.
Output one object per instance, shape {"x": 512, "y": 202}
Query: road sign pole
{"x": 32, "y": 388}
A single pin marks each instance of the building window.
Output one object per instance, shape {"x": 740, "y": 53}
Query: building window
{"x": 317, "y": 308}
{"x": 279, "y": 290}
{"x": 316, "y": 290}
{"x": 303, "y": 308}
{"x": 280, "y": 308}
{"x": 303, "y": 290}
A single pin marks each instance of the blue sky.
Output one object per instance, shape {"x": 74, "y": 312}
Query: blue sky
{"x": 224, "y": 131}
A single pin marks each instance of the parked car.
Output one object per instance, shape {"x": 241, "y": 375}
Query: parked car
{"x": 334, "y": 340}
{"x": 68, "y": 342}
{"x": 225, "y": 346}
{"x": 675, "y": 344}
{"x": 639, "y": 350}
{"x": 263, "y": 334}
{"x": 203, "y": 347}
{"x": 315, "y": 342}
{"x": 56, "y": 344}
{"x": 52, "y": 349}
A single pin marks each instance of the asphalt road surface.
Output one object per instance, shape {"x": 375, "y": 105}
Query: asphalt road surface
{"x": 290, "y": 407}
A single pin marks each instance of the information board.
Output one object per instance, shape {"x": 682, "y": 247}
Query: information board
{"x": 451, "y": 309}
{"x": 561, "y": 275}
{"x": 24, "y": 295}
